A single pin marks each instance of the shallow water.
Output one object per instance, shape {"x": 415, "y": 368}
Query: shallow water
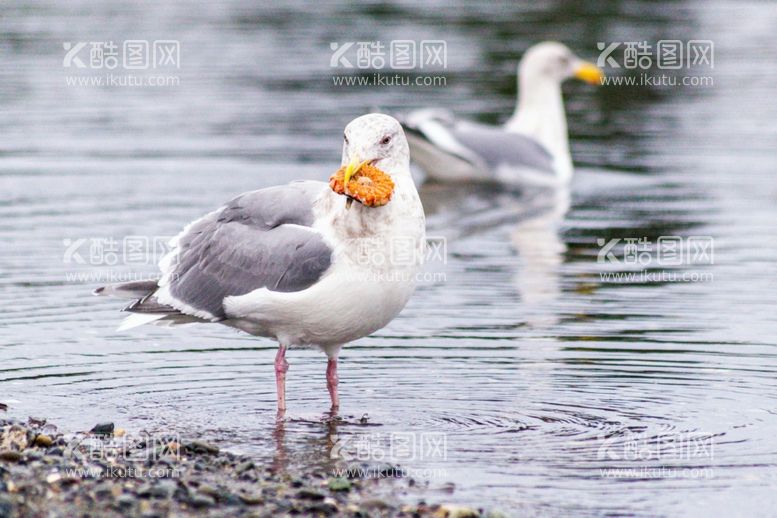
{"x": 541, "y": 376}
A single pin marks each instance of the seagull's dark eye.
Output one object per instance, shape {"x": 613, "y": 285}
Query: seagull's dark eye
{"x": 385, "y": 140}
{"x": 345, "y": 138}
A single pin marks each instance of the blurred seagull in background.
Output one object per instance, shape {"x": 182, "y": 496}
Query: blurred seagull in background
{"x": 296, "y": 262}
{"x": 531, "y": 148}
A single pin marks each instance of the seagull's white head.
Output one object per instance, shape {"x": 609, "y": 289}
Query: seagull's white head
{"x": 553, "y": 61}
{"x": 377, "y": 139}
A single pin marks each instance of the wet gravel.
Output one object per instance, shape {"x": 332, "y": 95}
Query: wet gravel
{"x": 105, "y": 472}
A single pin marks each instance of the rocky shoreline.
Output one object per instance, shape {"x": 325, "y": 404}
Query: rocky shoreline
{"x": 104, "y": 472}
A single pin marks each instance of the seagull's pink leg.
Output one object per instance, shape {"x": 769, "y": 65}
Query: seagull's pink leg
{"x": 331, "y": 382}
{"x": 281, "y": 366}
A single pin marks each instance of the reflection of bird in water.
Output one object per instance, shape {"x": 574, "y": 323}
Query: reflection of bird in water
{"x": 533, "y": 218}
{"x": 531, "y": 148}
{"x": 280, "y": 458}
{"x": 308, "y": 441}
{"x": 541, "y": 252}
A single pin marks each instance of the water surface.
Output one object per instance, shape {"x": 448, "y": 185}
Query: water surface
{"x": 543, "y": 376}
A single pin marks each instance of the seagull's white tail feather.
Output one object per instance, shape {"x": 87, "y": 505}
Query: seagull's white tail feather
{"x": 139, "y": 319}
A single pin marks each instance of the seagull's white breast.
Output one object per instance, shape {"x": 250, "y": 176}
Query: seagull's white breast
{"x": 377, "y": 256}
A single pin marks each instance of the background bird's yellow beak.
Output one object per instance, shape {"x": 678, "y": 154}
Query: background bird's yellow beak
{"x": 589, "y": 73}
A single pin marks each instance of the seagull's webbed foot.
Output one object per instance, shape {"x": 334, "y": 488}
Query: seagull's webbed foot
{"x": 281, "y": 366}
{"x": 331, "y": 383}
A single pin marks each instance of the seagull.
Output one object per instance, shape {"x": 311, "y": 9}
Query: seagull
{"x": 297, "y": 263}
{"x": 530, "y": 148}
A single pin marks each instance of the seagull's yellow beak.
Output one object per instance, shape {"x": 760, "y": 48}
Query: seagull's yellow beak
{"x": 589, "y": 73}
{"x": 351, "y": 169}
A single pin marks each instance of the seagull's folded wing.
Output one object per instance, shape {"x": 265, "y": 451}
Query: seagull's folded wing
{"x": 487, "y": 149}
{"x": 435, "y": 126}
{"x": 261, "y": 239}
{"x": 499, "y": 148}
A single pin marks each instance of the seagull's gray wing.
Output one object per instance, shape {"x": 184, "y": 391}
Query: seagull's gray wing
{"x": 485, "y": 148}
{"x": 434, "y": 126}
{"x": 499, "y": 148}
{"x": 261, "y": 239}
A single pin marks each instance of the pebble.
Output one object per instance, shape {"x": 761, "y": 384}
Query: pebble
{"x": 43, "y": 440}
{"x": 32, "y": 455}
{"x": 202, "y": 447}
{"x": 243, "y": 467}
{"x": 14, "y": 437}
{"x": 144, "y": 507}
{"x": 229, "y": 499}
{"x": 200, "y": 501}
{"x": 310, "y": 494}
{"x": 10, "y": 456}
{"x": 106, "y": 489}
{"x": 162, "y": 489}
{"x": 321, "y": 508}
{"x": 376, "y": 504}
{"x": 6, "y": 506}
{"x": 126, "y": 501}
{"x": 251, "y": 498}
{"x": 102, "y": 429}
{"x": 339, "y": 484}
{"x": 165, "y": 488}
{"x": 456, "y": 511}
{"x": 209, "y": 490}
